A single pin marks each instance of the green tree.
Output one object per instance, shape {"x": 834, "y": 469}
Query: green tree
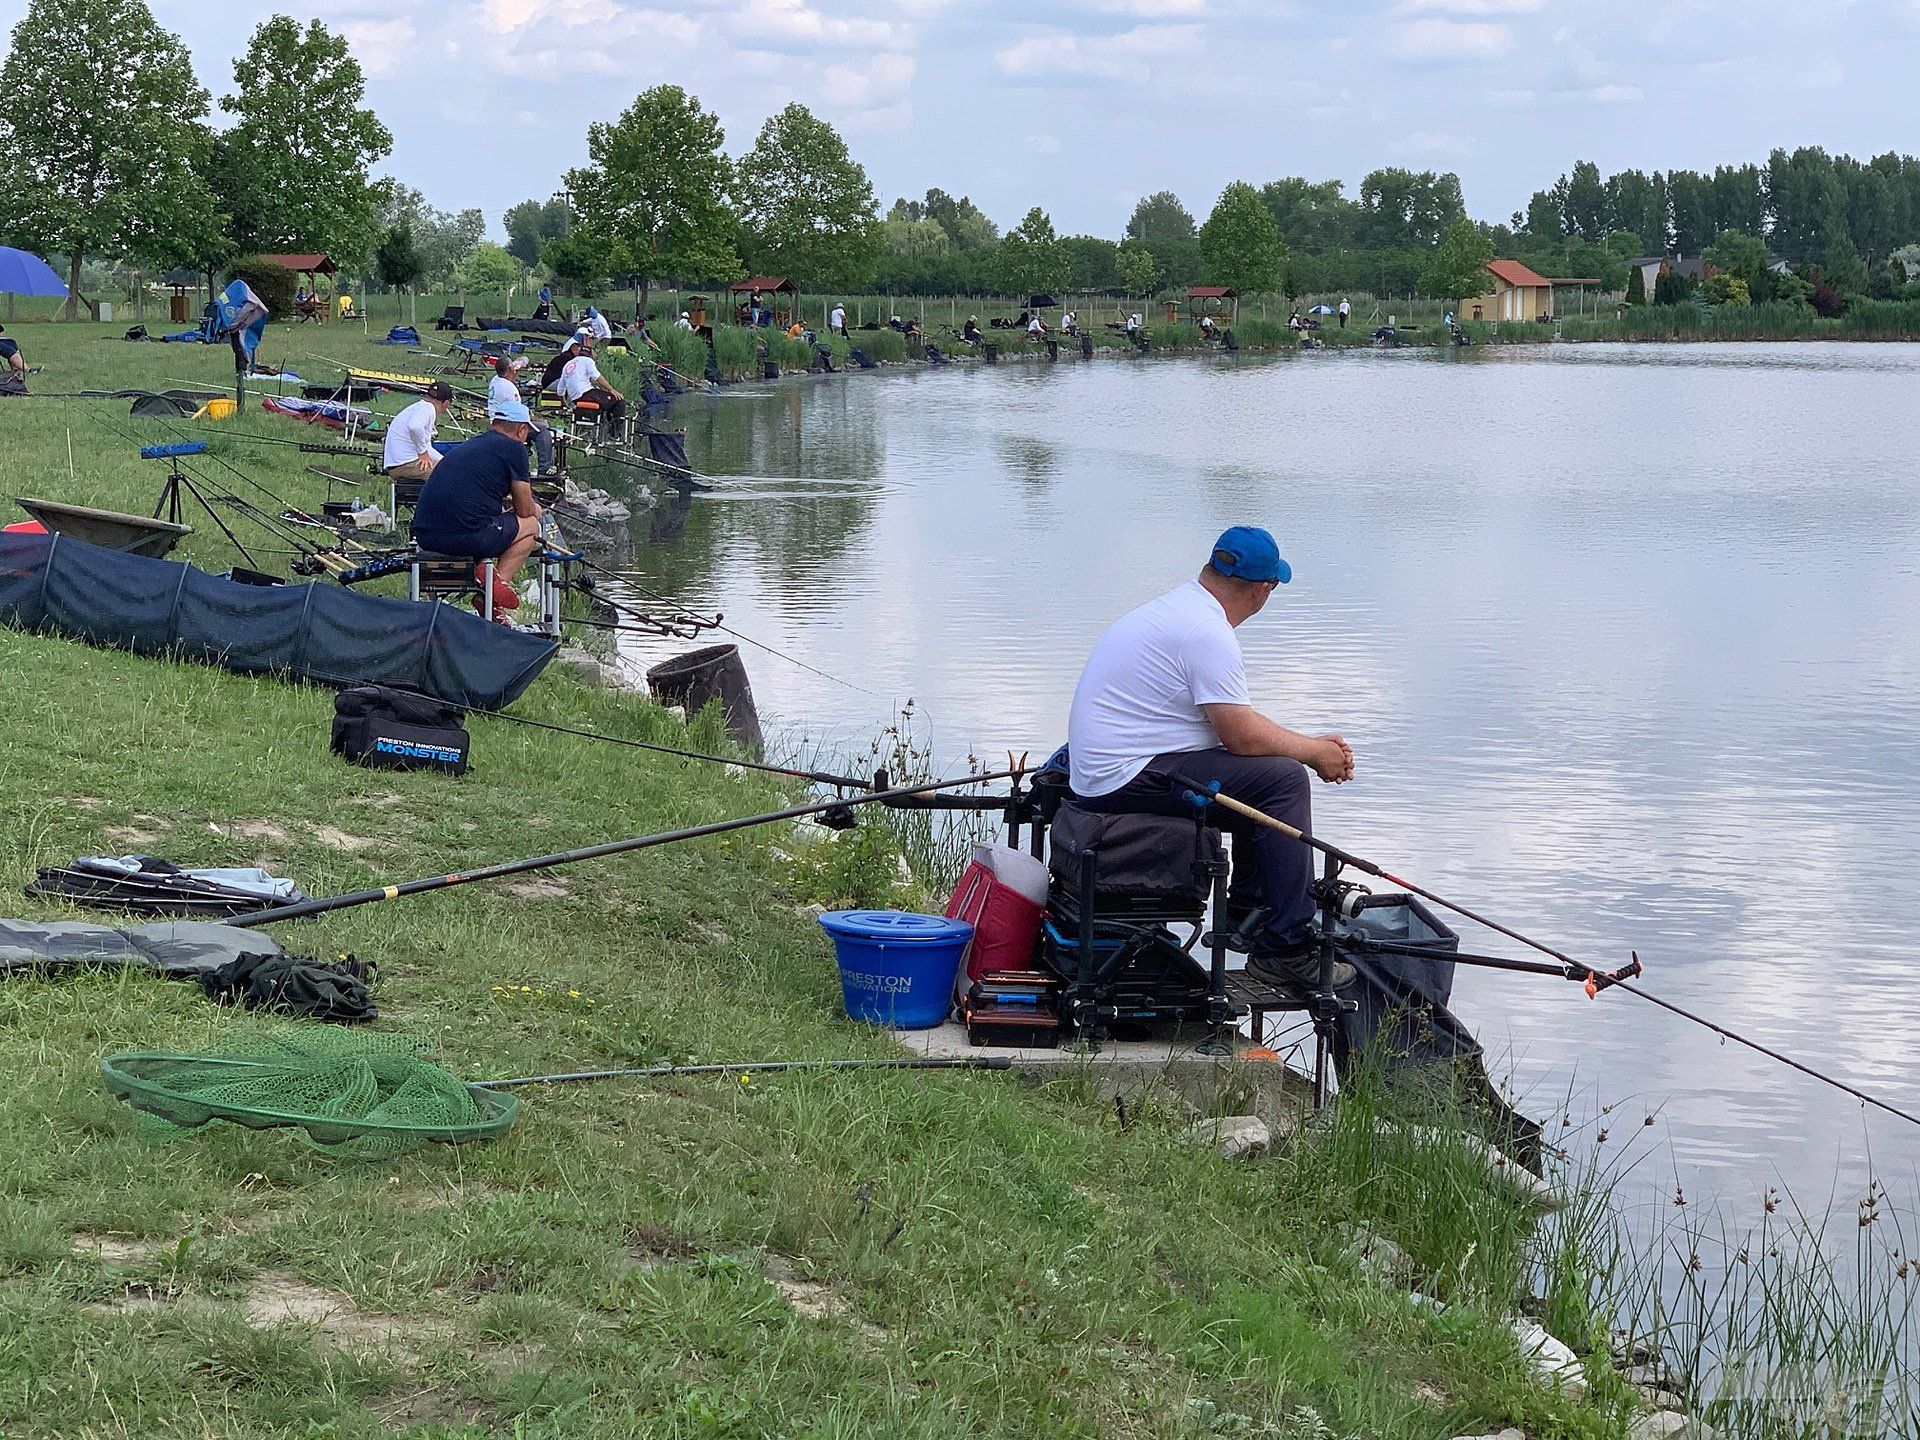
{"x": 103, "y": 139}
{"x": 530, "y": 224}
{"x": 1136, "y": 269}
{"x": 1840, "y": 263}
{"x": 444, "y": 240}
{"x": 1405, "y": 209}
{"x": 1727, "y": 290}
{"x": 1312, "y": 215}
{"x": 652, "y": 201}
{"x": 807, "y": 205}
{"x": 966, "y": 223}
{"x": 1740, "y": 256}
{"x": 1160, "y": 216}
{"x": 1240, "y": 245}
{"x": 908, "y": 231}
{"x": 395, "y": 259}
{"x": 1625, "y": 245}
{"x": 1636, "y": 286}
{"x": 1031, "y": 259}
{"x": 293, "y": 169}
{"x": 1583, "y": 202}
{"x": 489, "y": 269}
{"x": 1671, "y": 288}
{"x": 1457, "y": 267}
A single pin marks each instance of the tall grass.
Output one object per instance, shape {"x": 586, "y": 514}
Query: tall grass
{"x": 1863, "y": 320}
{"x": 738, "y": 351}
{"x": 685, "y": 351}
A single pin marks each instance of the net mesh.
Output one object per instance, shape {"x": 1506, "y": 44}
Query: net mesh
{"x": 356, "y": 1094}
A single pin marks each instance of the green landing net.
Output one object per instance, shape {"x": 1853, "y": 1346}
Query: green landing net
{"x": 358, "y": 1095}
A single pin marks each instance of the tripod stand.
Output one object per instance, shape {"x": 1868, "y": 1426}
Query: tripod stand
{"x": 170, "y": 501}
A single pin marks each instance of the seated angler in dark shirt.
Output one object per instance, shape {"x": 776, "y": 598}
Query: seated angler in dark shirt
{"x": 13, "y": 366}
{"x": 464, "y": 506}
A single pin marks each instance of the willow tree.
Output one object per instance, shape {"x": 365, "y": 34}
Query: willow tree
{"x": 103, "y": 137}
{"x": 806, "y": 204}
{"x": 653, "y": 200}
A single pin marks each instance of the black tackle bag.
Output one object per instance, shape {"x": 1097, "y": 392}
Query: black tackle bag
{"x": 395, "y": 729}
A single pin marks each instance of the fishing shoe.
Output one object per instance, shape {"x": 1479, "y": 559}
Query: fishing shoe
{"x": 504, "y": 595}
{"x": 1297, "y": 968}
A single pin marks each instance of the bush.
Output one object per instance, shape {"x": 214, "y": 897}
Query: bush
{"x": 1265, "y": 335}
{"x": 886, "y": 346}
{"x": 684, "y": 350}
{"x": 1180, "y": 335}
{"x": 271, "y": 281}
{"x": 738, "y": 351}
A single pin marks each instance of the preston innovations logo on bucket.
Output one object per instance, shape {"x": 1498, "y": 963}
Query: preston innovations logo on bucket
{"x": 897, "y": 968}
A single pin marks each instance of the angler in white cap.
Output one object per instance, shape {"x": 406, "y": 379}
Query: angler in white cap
{"x": 504, "y": 389}
{"x": 479, "y": 502}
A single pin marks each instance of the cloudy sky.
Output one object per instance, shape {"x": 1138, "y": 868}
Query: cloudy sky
{"x": 1084, "y": 105}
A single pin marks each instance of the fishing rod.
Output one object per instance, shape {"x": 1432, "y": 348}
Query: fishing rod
{"x": 306, "y": 447}
{"x": 594, "y": 852}
{"x": 1593, "y": 980}
{"x": 626, "y": 578}
{"x": 770, "y": 1067}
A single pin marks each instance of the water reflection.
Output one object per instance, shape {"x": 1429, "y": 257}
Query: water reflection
{"x": 1624, "y": 637}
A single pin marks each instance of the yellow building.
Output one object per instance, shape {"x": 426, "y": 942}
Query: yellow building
{"x": 1518, "y": 294}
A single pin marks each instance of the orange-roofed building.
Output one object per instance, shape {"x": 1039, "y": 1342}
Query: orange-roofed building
{"x": 1518, "y": 294}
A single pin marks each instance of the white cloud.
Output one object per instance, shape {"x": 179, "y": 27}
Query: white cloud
{"x": 1614, "y": 94}
{"x": 857, "y": 84}
{"x": 379, "y": 45}
{"x": 1471, "y": 7}
{"x": 1434, "y": 142}
{"x": 1131, "y": 54}
{"x": 1436, "y": 39}
{"x": 1044, "y": 144}
{"x": 1160, "y": 9}
{"x": 795, "y": 22}
{"x": 883, "y": 120}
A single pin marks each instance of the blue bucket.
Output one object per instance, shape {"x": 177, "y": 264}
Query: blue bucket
{"x": 897, "y": 968}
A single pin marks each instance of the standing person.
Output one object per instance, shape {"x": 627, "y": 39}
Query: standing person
{"x": 1164, "y": 693}
{"x": 480, "y": 504}
{"x": 410, "y": 452}
{"x": 545, "y": 307}
{"x": 504, "y": 390}
{"x": 837, "y": 321}
{"x": 13, "y": 380}
{"x": 581, "y": 380}
{"x": 598, "y": 325}
{"x": 1346, "y": 309}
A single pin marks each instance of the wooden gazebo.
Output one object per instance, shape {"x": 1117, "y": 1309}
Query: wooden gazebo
{"x": 311, "y": 266}
{"x": 771, "y": 289}
{"x": 1214, "y": 300}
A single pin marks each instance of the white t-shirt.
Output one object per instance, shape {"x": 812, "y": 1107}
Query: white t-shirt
{"x": 580, "y": 376}
{"x": 602, "y": 329}
{"x": 410, "y": 434}
{"x": 1148, "y": 676}
{"x": 499, "y": 391}
{"x": 839, "y": 318}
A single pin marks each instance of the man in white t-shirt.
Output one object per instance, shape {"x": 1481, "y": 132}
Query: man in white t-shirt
{"x": 581, "y": 380}
{"x": 598, "y": 324}
{"x": 1165, "y": 692}
{"x": 410, "y": 452}
{"x": 837, "y": 321}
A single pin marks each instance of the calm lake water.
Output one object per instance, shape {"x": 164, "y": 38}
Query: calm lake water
{"x": 1626, "y": 640}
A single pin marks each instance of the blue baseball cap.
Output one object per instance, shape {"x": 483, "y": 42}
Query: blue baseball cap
{"x": 1247, "y": 552}
{"x": 512, "y": 411}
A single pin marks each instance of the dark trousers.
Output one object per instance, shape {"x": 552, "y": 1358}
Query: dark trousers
{"x": 1269, "y": 869}
{"x": 612, "y": 408}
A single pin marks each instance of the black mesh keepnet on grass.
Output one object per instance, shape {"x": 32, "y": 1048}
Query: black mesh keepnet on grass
{"x": 58, "y": 585}
{"x": 358, "y": 1095}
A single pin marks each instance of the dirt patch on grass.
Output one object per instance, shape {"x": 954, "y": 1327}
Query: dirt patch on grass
{"x": 340, "y": 840}
{"x": 132, "y": 835}
{"x": 254, "y": 830}
{"x": 114, "y": 1249}
{"x": 277, "y": 1298}
{"x": 451, "y": 1195}
{"x": 404, "y": 1409}
{"x": 134, "y": 1298}
{"x": 543, "y": 889}
{"x": 649, "y": 1245}
{"x": 85, "y": 802}
{"x": 817, "y": 1299}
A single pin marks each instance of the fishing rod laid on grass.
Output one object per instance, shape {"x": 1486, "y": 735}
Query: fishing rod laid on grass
{"x": 1594, "y": 981}
{"x": 595, "y": 852}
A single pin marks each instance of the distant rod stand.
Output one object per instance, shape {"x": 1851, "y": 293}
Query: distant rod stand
{"x": 177, "y": 479}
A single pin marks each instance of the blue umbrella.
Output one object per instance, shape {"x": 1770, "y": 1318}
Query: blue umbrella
{"x": 24, "y": 273}
{"x": 1321, "y": 310}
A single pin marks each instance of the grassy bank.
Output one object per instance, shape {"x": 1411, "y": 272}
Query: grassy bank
{"x": 875, "y": 1254}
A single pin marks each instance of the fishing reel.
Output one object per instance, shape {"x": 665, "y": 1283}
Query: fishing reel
{"x": 1340, "y": 897}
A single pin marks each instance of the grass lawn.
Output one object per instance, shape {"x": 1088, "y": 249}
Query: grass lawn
{"x": 903, "y": 1254}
